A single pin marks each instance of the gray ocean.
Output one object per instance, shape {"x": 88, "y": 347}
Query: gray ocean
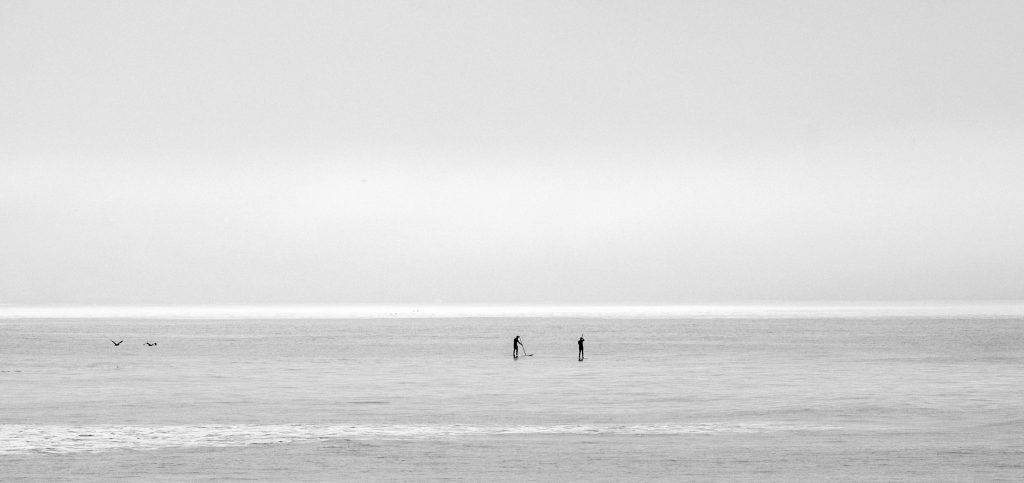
{"x": 783, "y": 399}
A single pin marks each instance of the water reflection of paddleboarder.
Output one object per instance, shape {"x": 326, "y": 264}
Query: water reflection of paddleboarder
{"x": 580, "y": 343}
{"x": 516, "y": 344}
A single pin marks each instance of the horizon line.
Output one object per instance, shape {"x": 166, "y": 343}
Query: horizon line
{"x": 834, "y": 309}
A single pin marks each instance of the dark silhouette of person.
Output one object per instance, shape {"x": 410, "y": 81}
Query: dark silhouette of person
{"x": 516, "y": 344}
{"x": 580, "y": 343}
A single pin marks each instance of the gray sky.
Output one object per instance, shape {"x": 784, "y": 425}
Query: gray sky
{"x": 510, "y": 152}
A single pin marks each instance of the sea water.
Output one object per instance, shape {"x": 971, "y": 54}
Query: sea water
{"x": 772, "y": 398}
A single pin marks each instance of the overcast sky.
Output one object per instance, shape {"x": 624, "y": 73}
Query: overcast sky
{"x": 510, "y": 152}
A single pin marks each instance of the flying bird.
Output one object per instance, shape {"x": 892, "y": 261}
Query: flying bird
{"x": 151, "y": 344}
{"x": 117, "y": 343}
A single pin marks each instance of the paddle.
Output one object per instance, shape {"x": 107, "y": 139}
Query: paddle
{"x": 524, "y": 349}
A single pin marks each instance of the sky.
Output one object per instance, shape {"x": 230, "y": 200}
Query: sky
{"x": 528, "y": 152}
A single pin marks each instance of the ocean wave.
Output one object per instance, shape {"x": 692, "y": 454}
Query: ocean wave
{"x": 61, "y": 439}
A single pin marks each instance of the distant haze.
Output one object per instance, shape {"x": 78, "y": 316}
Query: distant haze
{"x": 473, "y": 152}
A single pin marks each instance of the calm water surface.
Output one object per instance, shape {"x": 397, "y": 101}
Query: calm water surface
{"x": 895, "y": 398}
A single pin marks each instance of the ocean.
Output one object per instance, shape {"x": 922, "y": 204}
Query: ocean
{"x": 786, "y": 397}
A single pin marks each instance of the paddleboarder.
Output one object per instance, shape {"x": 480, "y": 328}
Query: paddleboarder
{"x": 516, "y": 344}
{"x": 580, "y": 343}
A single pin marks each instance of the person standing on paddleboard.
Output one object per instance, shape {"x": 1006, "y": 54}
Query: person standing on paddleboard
{"x": 516, "y": 344}
{"x": 580, "y": 343}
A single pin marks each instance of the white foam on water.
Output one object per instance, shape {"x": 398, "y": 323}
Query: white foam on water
{"x": 61, "y": 439}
